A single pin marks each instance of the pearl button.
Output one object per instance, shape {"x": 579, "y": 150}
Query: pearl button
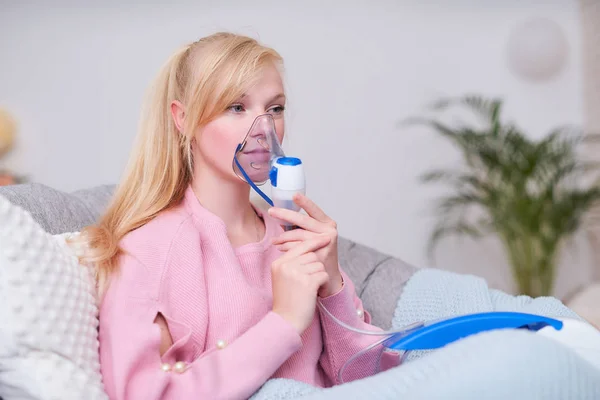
{"x": 221, "y": 344}
{"x": 165, "y": 367}
{"x": 179, "y": 367}
{"x": 360, "y": 313}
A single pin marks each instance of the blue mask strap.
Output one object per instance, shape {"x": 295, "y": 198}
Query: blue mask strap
{"x": 247, "y": 178}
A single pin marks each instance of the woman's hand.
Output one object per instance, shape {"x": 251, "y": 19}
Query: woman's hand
{"x": 296, "y": 278}
{"x": 315, "y": 224}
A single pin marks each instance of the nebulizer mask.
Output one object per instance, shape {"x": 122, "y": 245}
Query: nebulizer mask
{"x": 259, "y": 158}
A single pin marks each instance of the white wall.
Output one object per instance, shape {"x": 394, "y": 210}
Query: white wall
{"x": 74, "y": 75}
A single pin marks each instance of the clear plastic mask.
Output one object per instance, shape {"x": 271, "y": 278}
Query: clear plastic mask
{"x": 256, "y": 154}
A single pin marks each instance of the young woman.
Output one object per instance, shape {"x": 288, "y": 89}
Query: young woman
{"x": 204, "y": 296}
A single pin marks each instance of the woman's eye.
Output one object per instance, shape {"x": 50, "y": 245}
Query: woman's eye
{"x": 236, "y": 108}
{"x": 276, "y": 109}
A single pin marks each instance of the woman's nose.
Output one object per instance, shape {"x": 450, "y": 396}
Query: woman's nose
{"x": 262, "y": 125}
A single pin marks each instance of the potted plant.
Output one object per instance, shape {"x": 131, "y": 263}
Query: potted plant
{"x": 531, "y": 194}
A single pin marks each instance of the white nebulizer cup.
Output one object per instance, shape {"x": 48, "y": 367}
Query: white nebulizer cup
{"x": 287, "y": 178}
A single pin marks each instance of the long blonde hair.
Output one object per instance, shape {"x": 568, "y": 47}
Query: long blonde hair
{"x": 206, "y": 76}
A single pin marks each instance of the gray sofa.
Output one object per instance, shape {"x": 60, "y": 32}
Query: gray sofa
{"x": 379, "y": 279}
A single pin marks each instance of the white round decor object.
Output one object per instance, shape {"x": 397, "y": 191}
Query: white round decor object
{"x": 538, "y": 49}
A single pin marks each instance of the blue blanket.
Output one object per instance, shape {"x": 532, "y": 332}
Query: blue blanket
{"x": 508, "y": 364}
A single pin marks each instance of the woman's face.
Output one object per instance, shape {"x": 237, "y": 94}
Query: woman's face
{"x": 217, "y": 141}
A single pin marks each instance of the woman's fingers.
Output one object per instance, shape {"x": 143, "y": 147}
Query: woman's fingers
{"x": 315, "y": 220}
{"x": 307, "y": 258}
{"x": 287, "y": 246}
{"x": 311, "y": 208}
{"x": 295, "y": 218}
{"x": 313, "y": 267}
{"x": 305, "y": 247}
{"x": 295, "y": 235}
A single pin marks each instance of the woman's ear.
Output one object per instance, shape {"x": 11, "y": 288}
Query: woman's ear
{"x": 178, "y": 114}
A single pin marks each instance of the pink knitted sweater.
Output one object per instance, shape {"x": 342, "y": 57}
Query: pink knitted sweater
{"x": 217, "y": 301}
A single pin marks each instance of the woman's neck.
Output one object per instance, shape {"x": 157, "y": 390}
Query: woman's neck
{"x": 230, "y": 201}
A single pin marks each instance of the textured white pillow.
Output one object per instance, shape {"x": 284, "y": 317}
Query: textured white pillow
{"x": 48, "y": 315}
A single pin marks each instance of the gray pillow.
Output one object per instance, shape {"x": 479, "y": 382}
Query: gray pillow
{"x": 56, "y": 211}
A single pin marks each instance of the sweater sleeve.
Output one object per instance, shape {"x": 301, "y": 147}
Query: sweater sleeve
{"x": 340, "y": 344}
{"x": 133, "y": 368}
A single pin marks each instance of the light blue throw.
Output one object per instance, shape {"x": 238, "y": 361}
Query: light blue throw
{"x": 506, "y": 364}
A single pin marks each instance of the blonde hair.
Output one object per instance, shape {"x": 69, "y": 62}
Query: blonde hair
{"x": 206, "y": 76}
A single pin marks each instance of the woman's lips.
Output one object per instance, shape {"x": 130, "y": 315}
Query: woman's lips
{"x": 256, "y": 151}
{"x": 257, "y": 159}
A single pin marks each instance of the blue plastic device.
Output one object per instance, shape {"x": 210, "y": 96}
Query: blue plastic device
{"x": 439, "y": 334}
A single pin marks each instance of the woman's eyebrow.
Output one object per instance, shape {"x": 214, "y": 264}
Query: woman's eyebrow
{"x": 279, "y": 96}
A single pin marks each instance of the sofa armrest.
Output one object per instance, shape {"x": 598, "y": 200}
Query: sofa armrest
{"x": 378, "y": 278}
{"x": 383, "y": 289}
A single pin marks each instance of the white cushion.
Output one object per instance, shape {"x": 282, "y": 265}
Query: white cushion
{"x": 48, "y": 315}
